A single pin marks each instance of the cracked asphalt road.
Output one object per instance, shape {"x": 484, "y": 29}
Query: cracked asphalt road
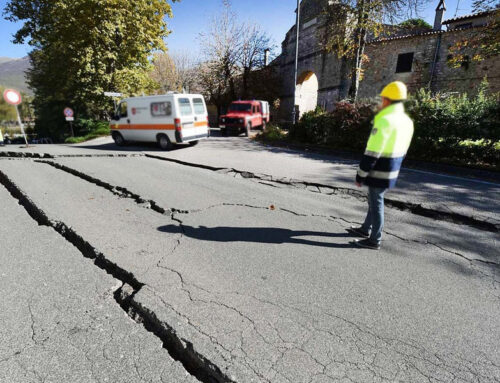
{"x": 241, "y": 280}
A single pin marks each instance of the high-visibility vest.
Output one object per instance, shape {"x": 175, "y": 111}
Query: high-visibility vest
{"x": 387, "y": 147}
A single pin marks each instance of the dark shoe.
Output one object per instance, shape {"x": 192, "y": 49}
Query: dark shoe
{"x": 358, "y": 231}
{"x": 367, "y": 244}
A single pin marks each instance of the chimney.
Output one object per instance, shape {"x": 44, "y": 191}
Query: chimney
{"x": 266, "y": 57}
{"x": 438, "y": 21}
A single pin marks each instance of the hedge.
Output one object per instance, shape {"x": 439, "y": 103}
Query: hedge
{"x": 452, "y": 129}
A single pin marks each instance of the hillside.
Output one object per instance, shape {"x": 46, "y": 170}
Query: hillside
{"x": 12, "y": 73}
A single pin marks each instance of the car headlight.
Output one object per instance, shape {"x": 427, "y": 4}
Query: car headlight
{"x": 242, "y": 121}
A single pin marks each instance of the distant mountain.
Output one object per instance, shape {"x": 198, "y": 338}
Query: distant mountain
{"x": 12, "y": 73}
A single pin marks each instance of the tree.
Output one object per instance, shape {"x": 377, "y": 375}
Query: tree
{"x": 175, "y": 72}
{"x": 82, "y": 48}
{"x": 253, "y": 45}
{"x": 415, "y": 24}
{"x": 233, "y": 50}
{"x": 185, "y": 65}
{"x": 221, "y": 45}
{"x": 482, "y": 43}
{"x": 349, "y": 24}
{"x": 165, "y": 72}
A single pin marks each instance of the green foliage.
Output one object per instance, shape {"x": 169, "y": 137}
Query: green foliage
{"x": 272, "y": 133}
{"x": 86, "y": 130}
{"x": 83, "y": 48}
{"x": 456, "y": 128}
{"x": 452, "y": 129}
{"x": 346, "y": 128}
{"x": 415, "y": 24}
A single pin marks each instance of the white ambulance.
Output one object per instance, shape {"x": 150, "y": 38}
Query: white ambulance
{"x": 168, "y": 119}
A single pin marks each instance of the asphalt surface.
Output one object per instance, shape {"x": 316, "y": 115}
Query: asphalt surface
{"x": 240, "y": 278}
{"x": 59, "y": 319}
{"x": 445, "y": 193}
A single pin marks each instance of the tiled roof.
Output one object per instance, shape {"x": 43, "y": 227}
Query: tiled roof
{"x": 400, "y": 37}
{"x": 466, "y": 17}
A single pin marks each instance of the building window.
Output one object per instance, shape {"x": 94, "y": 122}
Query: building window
{"x": 465, "y": 63}
{"x": 405, "y": 62}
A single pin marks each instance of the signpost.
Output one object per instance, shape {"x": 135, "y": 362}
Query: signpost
{"x": 13, "y": 97}
{"x": 69, "y": 114}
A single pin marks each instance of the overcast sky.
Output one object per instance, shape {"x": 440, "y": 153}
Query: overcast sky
{"x": 192, "y": 16}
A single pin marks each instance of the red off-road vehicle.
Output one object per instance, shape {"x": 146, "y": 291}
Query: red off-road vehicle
{"x": 242, "y": 116}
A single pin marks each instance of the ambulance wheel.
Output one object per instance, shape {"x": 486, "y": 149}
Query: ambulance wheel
{"x": 248, "y": 129}
{"x": 164, "y": 142}
{"x": 118, "y": 138}
{"x": 193, "y": 143}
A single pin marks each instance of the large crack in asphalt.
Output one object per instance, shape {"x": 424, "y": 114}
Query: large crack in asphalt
{"x": 123, "y": 192}
{"x": 269, "y": 180}
{"x": 417, "y": 209}
{"x": 179, "y": 349}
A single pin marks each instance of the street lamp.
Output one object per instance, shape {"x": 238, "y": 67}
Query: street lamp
{"x": 297, "y": 27}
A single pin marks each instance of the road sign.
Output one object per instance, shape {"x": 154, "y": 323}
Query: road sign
{"x": 12, "y": 97}
{"x": 112, "y": 94}
{"x": 70, "y": 119}
{"x": 68, "y": 112}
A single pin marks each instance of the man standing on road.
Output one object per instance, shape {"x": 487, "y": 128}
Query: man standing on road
{"x": 379, "y": 168}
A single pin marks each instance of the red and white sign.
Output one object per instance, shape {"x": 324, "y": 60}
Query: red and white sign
{"x": 12, "y": 97}
{"x": 68, "y": 112}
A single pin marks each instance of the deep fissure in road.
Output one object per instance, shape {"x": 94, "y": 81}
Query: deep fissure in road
{"x": 269, "y": 180}
{"x": 331, "y": 190}
{"x": 123, "y": 192}
{"x": 179, "y": 349}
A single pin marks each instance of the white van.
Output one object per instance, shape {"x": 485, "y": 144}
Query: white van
{"x": 168, "y": 119}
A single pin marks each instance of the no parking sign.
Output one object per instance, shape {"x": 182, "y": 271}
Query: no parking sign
{"x": 69, "y": 114}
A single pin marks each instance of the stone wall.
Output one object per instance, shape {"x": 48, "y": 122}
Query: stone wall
{"x": 383, "y": 56}
{"x": 381, "y": 68}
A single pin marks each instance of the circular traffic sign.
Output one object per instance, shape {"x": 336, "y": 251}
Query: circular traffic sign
{"x": 68, "y": 112}
{"x": 12, "y": 97}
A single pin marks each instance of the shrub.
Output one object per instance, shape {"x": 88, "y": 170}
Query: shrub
{"x": 456, "y": 128}
{"x": 449, "y": 128}
{"x": 347, "y": 127}
{"x": 272, "y": 133}
{"x": 86, "y": 130}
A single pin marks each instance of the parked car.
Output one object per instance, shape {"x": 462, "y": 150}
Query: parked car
{"x": 243, "y": 116}
{"x": 168, "y": 119}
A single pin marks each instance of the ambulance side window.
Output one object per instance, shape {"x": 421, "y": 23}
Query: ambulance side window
{"x": 185, "y": 107}
{"x": 161, "y": 109}
{"x": 123, "y": 110}
{"x": 199, "y": 107}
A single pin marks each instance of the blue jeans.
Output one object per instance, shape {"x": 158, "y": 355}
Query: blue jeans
{"x": 374, "y": 221}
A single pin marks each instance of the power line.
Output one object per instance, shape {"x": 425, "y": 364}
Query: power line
{"x": 458, "y": 8}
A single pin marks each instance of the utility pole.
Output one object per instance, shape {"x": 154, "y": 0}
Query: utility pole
{"x": 297, "y": 26}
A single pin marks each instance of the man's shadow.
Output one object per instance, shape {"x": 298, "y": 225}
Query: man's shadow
{"x": 270, "y": 235}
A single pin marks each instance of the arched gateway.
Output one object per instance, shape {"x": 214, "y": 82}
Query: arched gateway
{"x": 307, "y": 92}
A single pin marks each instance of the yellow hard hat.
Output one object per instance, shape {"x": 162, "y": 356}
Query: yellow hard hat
{"x": 395, "y": 91}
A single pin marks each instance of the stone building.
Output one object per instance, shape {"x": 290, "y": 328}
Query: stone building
{"x": 418, "y": 58}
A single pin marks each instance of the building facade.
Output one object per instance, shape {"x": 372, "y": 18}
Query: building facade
{"x": 418, "y": 58}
